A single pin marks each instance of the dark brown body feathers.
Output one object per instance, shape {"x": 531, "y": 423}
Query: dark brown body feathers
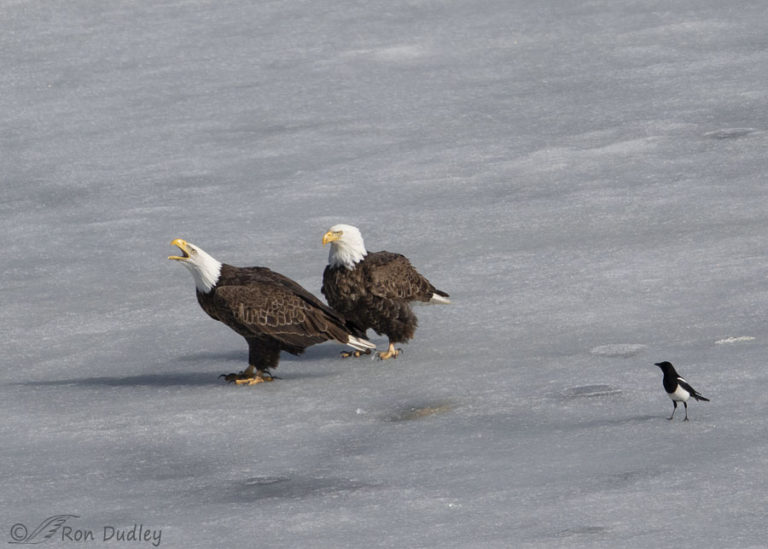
{"x": 377, "y": 294}
{"x": 272, "y": 312}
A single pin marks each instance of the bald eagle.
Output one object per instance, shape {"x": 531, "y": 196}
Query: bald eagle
{"x": 374, "y": 290}
{"x": 272, "y": 312}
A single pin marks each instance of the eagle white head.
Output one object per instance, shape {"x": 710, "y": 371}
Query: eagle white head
{"x": 204, "y": 268}
{"x": 347, "y": 246}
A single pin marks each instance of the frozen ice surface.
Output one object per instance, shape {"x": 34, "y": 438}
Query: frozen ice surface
{"x": 586, "y": 179}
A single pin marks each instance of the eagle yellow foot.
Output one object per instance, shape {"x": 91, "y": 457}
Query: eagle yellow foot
{"x": 391, "y": 352}
{"x": 249, "y": 376}
{"x": 355, "y": 354}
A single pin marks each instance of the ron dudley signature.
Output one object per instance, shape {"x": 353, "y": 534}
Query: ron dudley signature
{"x": 56, "y": 528}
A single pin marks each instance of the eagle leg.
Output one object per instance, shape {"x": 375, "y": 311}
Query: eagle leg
{"x": 249, "y": 376}
{"x": 391, "y": 352}
{"x": 355, "y": 353}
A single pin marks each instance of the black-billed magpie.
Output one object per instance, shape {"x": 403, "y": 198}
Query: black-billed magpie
{"x": 677, "y": 388}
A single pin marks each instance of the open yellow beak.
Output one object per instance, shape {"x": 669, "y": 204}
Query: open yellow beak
{"x": 331, "y": 236}
{"x": 182, "y": 245}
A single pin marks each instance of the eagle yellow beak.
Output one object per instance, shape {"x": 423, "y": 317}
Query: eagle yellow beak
{"x": 182, "y": 245}
{"x": 331, "y": 236}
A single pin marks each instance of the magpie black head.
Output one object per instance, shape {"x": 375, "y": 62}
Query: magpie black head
{"x": 665, "y": 366}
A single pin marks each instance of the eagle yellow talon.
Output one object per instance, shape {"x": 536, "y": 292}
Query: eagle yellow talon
{"x": 355, "y": 354}
{"x": 252, "y": 381}
{"x": 391, "y": 352}
{"x": 248, "y": 377}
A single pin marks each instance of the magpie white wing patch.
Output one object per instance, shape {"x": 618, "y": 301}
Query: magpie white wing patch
{"x": 680, "y": 394}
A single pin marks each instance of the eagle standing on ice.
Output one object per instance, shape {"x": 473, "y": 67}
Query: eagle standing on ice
{"x": 374, "y": 290}
{"x": 272, "y": 312}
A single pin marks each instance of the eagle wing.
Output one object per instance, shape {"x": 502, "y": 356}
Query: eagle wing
{"x": 274, "y": 309}
{"x": 257, "y": 275}
{"x": 301, "y": 292}
{"x": 392, "y": 276}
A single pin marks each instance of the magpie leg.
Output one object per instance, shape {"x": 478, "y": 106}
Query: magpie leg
{"x": 686, "y": 411}
{"x": 674, "y": 409}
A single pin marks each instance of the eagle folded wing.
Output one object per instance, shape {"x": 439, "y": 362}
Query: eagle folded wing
{"x": 393, "y": 277}
{"x": 299, "y": 291}
{"x": 272, "y": 310}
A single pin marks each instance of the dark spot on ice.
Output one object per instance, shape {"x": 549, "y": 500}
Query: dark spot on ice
{"x": 148, "y": 380}
{"x": 410, "y": 413}
{"x": 263, "y": 481}
{"x": 581, "y": 531}
{"x": 629, "y": 477}
{"x": 259, "y": 488}
{"x": 731, "y": 133}
{"x": 590, "y": 391}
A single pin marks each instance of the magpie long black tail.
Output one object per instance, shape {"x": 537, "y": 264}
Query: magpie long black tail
{"x": 697, "y": 396}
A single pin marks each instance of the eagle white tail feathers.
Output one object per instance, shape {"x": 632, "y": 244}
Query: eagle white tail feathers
{"x": 439, "y": 300}
{"x": 360, "y": 344}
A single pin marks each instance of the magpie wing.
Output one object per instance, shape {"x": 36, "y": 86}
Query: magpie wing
{"x": 693, "y": 392}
